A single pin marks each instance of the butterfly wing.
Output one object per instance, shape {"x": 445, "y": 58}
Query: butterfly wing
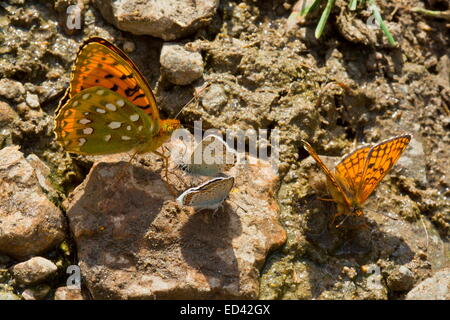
{"x": 380, "y": 160}
{"x": 210, "y": 157}
{"x": 350, "y": 169}
{"x": 328, "y": 173}
{"x": 209, "y": 195}
{"x": 101, "y": 121}
{"x": 100, "y": 63}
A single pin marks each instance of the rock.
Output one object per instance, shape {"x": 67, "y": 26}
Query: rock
{"x": 30, "y": 223}
{"x": 33, "y": 271}
{"x": 11, "y": 90}
{"x": 179, "y": 65}
{"x": 7, "y": 115}
{"x": 214, "y": 99}
{"x": 42, "y": 172}
{"x": 32, "y": 100}
{"x": 8, "y": 295}
{"x": 68, "y": 293}
{"x": 434, "y": 288}
{"x": 168, "y": 20}
{"x": 413, "y": 162}
{"x": 36, "y": 293}
{"x": 135, "y": 242}
{"x": 401, "y": 279}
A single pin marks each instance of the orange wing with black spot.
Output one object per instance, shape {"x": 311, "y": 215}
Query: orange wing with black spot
{"x": 325, "y": 169}
{"x": 100, "y": 63}
{"x": 379, "y": 161}
{"x": 349, "y": 171}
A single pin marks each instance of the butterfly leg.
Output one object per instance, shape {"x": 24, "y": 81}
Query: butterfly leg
{"x": 328, "y": 200}
{"x": 166, "y": 172}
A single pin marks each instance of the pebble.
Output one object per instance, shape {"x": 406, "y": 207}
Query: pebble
{"x": 33, "y": 271}
{"x": 36, "y": 293}
{"x": 11, "y": 90}
{"x": 32, "y": 100}
{"x": 180, "y": 66}
{"x": 68, "y": 293}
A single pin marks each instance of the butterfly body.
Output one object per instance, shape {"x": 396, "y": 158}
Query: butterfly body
{"x": 109, "y": 106}
{"x": 209, "y": 195}
{"x": 358, "y": 173}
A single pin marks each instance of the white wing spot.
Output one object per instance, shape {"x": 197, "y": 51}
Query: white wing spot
{"x": 134, "y": 117}
{"x": 100, "y": 110}
{"x": 86, "y": 96}
{"x": 88, "y": 130}
{"x": 114, "y": 124}
{"x": 100, "y": 92}
{"x": 140, "y": 128}
{"x": 107, "y": 137}
{"x": 86, "y": 113}
{"x": 128, "y": 127}
{"x": 81, "y": 141}
{"x": 126, "y": 138}
{"x": 111, "y": 107}
{"x": 84, "y": 121}
{"x": 120, "y": 103}
{"x": 75, "y": 103}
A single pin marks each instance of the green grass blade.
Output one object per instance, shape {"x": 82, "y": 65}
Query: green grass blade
{"x": 309, "y": 8}
{"x": 379, "y": 20}
{"x": 353, "y": 4}
{"x": 436, "y": 14}
{"x": 323, "y": 19}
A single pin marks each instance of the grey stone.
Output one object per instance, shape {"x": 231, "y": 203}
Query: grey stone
{"x": 168, "y": 20}
{"x": 434, "y": 288}
{"x": 179, "y": 65}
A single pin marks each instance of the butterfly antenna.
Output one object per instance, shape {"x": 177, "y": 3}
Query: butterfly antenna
{"x": 342, "y": 222}
{"x": 238, "y": 205}
{"x": 196, "y": 95}
{"x": 382, "y": 213}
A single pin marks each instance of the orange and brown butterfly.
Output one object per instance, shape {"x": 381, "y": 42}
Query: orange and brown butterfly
{"x": 109, "y": 106}
{"x": 359, "y": 172}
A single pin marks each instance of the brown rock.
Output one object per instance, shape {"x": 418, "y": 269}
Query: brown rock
{"x": 33, "y": 271}
{"x": 7, "y": 114}
{"x": 168, "y": 20}
{"x": 37, "y": 293}
{"x": 135, "y": 242}
{"x": 68, "y": 293}
{"x": 12, "y": 90}
{"x": 30, "y": 223}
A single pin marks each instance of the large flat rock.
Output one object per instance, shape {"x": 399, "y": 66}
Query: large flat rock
{"x": 135, "y": 242}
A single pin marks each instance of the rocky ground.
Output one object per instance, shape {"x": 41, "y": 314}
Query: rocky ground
{"x": 271, "y": 241}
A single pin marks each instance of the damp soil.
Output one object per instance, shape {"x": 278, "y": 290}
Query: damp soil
{"x": 338, "y": 92}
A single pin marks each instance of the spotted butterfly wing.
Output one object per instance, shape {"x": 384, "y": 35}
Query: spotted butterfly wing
{"x": 350, "y": 169}
{"x": 100, "y": 63}
{"x": 330, "y": 176}
{"x": 100, "y": 121}
{"x": 379, "y": 161}
{"x": 81, "y": 128}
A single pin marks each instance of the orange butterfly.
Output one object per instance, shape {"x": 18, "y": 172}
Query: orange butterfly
{"x": 359, "y": 172}
{"x": 109, "y": 106}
